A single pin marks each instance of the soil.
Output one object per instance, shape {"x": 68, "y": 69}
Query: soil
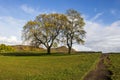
{"x": 101, "y": 71}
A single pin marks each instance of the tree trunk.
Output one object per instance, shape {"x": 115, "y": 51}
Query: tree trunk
{"x": 69, "y": 50}
{"x": 49, "y": 50}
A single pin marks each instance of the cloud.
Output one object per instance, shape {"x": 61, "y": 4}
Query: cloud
{"x": 10, "y": 30}
{"x": 81, "y": 48}
{"x": 28, "y": 9}
{"x": 104, "y": 38}
{"x": 97, "y": 16}
{"x": 101, "y": 37}
{"x": 31, "y": 10}
{"x": 10, "y": 20}
{"x": 12, "y": 40}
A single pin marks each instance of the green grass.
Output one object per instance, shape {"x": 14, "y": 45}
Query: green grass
{"x": 115, "y": 68}
{"x": 52, "y": 67}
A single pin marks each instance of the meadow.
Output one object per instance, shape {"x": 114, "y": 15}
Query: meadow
{"x": 49, "y": 67}
{"x": 115, "y": 66}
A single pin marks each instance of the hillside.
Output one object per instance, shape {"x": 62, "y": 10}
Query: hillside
{"x": 28, "y": 48}
{"x": 62, "y": 49}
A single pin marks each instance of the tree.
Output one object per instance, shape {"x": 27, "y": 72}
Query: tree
{"x": 44, "y": 30}
{"x": 74, "y": 31}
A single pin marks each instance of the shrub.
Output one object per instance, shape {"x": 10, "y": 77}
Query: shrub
{"x": 5, "y": 48}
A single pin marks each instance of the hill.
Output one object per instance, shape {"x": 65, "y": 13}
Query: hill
{"x": 62, "y": 49}
{"x": 27, "y": 48}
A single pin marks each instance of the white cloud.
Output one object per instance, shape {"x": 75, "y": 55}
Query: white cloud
{"x": 115, "y": 24}
{"x": 33, "y": 11}
{"x": 103, "y": 38}
{"x": 81, "y": 48}
{"x": 97, "y": 16}
{"x": 28, "y": 9}
{"x": 10, "y": 30}
{"x": 10, "y": 20}
{"x": 12, "y": 40}
{"x": 47, "y": 11}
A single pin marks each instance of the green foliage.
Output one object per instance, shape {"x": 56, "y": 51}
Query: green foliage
{"x": 44, "y": 30}
{"x": 74, "y": 30}
{"x": 50, "y": 29}
{"x": 51, "y": 67}
{"x": 4, "y": 48}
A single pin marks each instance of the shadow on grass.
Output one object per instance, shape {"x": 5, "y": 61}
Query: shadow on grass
{"x": 23, "y": 54}
{"x": 31, "y": 54}
{"x": 43, "y": 53}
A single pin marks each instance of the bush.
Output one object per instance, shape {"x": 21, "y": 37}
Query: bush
{"x": 5, "y": 48}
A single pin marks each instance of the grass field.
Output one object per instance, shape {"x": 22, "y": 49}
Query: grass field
{"x": 52, "y": 67}
{"x": 115, "y": 68}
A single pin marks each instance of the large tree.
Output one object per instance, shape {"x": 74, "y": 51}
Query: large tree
{"x": 74, "y": 31}
{"x": 44, "y": 30}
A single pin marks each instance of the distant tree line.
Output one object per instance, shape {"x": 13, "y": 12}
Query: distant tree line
{"x": 54, "y": 28}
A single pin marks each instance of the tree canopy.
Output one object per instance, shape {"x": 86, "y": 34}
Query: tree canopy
{"x": 74, "y": 31}
{"x": 44, "y": 29}
{"x": 47, "y": 29}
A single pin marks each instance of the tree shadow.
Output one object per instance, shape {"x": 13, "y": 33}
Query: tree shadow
{"x": 23, "y": 54}
{"x": 31, "y": 54}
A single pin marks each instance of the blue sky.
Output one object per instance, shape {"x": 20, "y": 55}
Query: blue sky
{"x": 101, "y": 16}
{"x": 86, "y": 7}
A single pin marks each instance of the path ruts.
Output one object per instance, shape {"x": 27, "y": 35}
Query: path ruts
{"x": 101, "y": 71}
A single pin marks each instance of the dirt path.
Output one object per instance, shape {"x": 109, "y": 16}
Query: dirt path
{"x": 101, "y": 71}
